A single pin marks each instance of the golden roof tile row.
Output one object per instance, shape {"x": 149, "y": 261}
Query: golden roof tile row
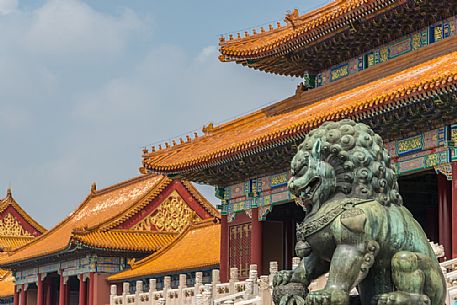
{"x": 123, "y": 240}
{"x": 197, "y": 247}
{"x": 255, "y": 134}
{"x": 300, "y": 29}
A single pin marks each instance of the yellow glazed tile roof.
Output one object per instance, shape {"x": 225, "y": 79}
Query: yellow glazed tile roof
{"x": 123, "y": 240}
{"x": 99, "y": 208}
{"x": 6, "y": 284}
{"x": 300, "y": 29}
{"x": 9, "y": 201}
{"x": 264, "y": 130}
{"x": 197, "y": 247}
{"x": 10, "y": 243}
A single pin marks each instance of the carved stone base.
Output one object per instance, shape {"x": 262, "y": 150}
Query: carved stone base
{"x": 289, "y": 290}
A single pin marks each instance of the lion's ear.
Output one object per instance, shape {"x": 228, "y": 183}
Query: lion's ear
{"x": 316, "y": 152}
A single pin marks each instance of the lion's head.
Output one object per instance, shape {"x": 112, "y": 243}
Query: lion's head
{"x": 343, "y": 158}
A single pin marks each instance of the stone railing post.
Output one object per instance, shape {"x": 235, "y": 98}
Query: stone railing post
{"x": 253, "y": 277}
{"x": 207, "y": 294}
{"x": 125, "y": 292}
{"x": 182, "y": 284}
{"x": 295, "y": 262}
{"x": 233, "y": 279}
{"x": 199, "y": 299}
{"x": 152, "y": 289}
{"x": 198, "y": 283}
{"x": 166, "y": 287}
{"x": 248, "y": 289}
{"x": 138, "y": 290}
{"x": 273, "y": 271}
{"x": 215, "y": 279}
{"x": 264, "y": 290}
{"x": 113, "y": 293}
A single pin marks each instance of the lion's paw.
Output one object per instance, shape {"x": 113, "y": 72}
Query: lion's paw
{"x": 282, "y": 277}
{"x": 327, "y": 297}
{"x": 401, "y": 298}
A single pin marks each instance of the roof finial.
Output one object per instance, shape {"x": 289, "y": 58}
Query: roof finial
{"x": 93, "y": 188}
{"x": 8, "y": 192}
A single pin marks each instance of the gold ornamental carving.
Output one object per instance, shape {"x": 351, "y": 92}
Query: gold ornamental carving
{"x": 9, "y": 226}
{"x": 173, "y": 215}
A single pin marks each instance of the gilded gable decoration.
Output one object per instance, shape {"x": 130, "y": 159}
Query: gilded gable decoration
{"x": 173, "y": 215}
{"x": 9, "y": 226}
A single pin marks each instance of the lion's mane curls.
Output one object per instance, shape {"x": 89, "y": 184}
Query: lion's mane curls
{"x": 362, "y": 165}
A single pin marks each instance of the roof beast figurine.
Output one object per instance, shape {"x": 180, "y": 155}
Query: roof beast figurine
{"x": 356, "y": 227}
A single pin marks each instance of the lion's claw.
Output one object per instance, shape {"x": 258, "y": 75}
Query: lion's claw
{"x": 327, "y": 297}
{"x": 282, "y": 277}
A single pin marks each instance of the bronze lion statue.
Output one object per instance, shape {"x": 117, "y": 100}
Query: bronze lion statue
{"x": 356, "y": 227}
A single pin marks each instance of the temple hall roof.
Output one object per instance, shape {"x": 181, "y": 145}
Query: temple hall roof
{"x": 100, "y": 207}
{"x": 9, "y": 203}
{"x": 196, "y": 248}
{"x": 261, "y": 131}
{"x": 6, "y": 284}
{"x": 322, "y": 37}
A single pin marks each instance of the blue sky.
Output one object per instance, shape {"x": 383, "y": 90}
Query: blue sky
{"x": 84, "y": 85}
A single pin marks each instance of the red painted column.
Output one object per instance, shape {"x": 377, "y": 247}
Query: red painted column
{"x": 48, "y": 291}
{"x": 82, "y": 290}
{"x": 454, "y": 211}
{"x": 256, "y": 240}
{"x": 40, "y": 290}
{"x": 61, "y": 289}
{"x": 224, "y": 250}
{"x": 67, "y": 293}
{"x": 23, "y": 295}
{"x": 91, "y": 288}
{"x": 444, "y": 215}
{"x": 16, "y": 296}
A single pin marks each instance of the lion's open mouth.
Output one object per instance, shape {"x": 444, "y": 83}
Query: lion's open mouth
{"x": 308, "y": 190}
{"x": 306, "y": 193}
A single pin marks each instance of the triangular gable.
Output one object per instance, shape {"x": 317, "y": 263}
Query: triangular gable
{"x": 112, "y": 208}
{"x": 15, "y": 222}
{"x": 178, "y": 206}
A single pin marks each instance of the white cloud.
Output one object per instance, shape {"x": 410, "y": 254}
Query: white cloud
{"x": 82, "y": 90}
{"x": 68, "y": 27}
{"x": 8, "y": 6}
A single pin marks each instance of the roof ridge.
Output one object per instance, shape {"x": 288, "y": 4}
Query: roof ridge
{"x": 201, "y": 199}
{"x": 72, "y": 214}
{"x": 151, "y": 195}
{"x": 9, "y": 200}
{"x": 122, "y": 231}
{"x": 58, "y": 225}
{"x": 121, "y": 184}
